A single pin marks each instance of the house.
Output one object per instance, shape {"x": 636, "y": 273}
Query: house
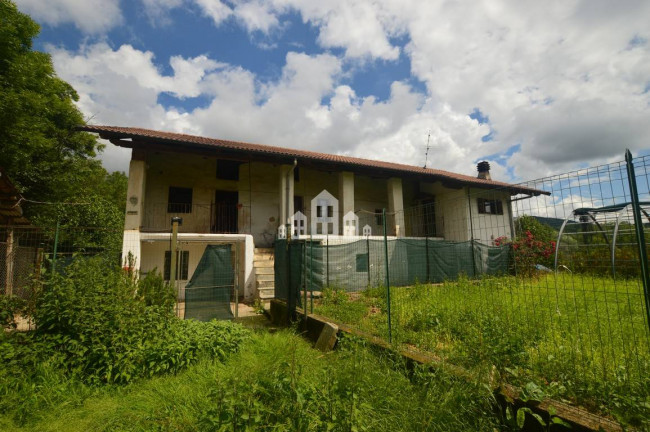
{"x": 245, "y": 195}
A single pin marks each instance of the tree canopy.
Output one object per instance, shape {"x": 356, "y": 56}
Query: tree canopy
{"x": 40, "y": 150}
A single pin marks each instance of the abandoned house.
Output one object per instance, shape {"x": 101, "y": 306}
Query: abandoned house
{"x": 246, "y": 195}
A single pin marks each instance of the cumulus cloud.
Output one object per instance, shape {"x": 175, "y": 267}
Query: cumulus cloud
{"x": 562, "y": 82}
{"x": 89, "y": 16}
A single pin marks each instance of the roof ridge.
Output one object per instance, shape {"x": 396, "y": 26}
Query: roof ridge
{"x": 285, "y": 151}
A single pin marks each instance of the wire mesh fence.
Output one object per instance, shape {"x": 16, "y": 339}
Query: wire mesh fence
{"x": 545, "y": 287}
{"x": 26, "y": 253}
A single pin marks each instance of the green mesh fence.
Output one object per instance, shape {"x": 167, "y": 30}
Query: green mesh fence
{"x": 357, "y": 265}
{"x": 207, "y": 294}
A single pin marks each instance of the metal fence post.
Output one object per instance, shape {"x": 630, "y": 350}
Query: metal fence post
{"x": 638, "y": 226}
{"x": 291, "y": 300}
{"x": 311, "y": 271}
{"x": 368, "y": 259}
{"x": 56, "y": 244}
{"x": 390, "y": 332}
{"x": 327, "y": 259}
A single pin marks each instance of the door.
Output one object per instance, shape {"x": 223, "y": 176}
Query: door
{"x": 225, "y": 212}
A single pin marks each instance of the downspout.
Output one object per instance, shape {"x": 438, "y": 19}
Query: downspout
{"x": 287, "y": 190}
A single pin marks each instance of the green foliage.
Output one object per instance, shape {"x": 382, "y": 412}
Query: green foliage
{"x": 540, "y": 231}
{"x": 98, "y": 325}
{"x": 275, "y": 382}
{"x": 41, "y": 151}
{"x": 10, "y": 308}
{"x": 576, "y": 338}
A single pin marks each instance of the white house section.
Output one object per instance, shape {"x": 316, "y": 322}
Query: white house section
{"x": 350, "y": 224}
{"x": 325, "y": 210}
{"x": 282, "y": 232}
{"x": 298, "y": 224}
{"x": 367, "y": 230}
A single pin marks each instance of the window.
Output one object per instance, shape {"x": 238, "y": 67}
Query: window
{"x": 379, "y": 217}
{"x": 296, "y": 174}
{"x": 227, "y": 169}
{"x": 182, "y": 261}
{"x": 298, "y": 205}
{"x": 179, "y": 200}
{"x": 486, "y": 206}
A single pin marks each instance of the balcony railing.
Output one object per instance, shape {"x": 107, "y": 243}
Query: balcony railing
{"x": 198, "y": 218}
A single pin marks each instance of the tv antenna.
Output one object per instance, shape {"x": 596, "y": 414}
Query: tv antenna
{"x": 426, "y": 153}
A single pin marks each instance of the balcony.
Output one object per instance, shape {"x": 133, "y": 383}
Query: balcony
{"x": 197, "y": 218}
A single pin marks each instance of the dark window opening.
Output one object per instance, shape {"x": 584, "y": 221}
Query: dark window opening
{"x": 227, "y": 169}
{"x": 182, "y": 264}
{"x": 296, "y": 174}
{"x": 379, "y": 217}
{"x": 330, "y": 211}
{"x": 486, "y": 206}
{"x": 298, "y": 204}
{"x": 179, "y": 200}
{"x": 429, "y": 217}
{"x": 225, "y": 212}
{"x": 319, "y": 211}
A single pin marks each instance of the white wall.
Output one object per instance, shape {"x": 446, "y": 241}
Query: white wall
{"x": 154, "y": 245}
{"x": 452, "y": 212}
{"x": 488, "y": 227}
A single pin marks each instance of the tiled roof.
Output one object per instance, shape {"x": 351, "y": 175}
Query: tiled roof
{"x": 116, "y": 132}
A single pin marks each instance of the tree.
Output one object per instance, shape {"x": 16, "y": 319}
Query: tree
{"x": 40, "y": 149}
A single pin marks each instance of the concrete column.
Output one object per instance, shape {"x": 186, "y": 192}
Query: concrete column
{"x": 396, "y": 204}
{"x": 286, "y": 194}
{"x": 346, "y": 194}
{"x": 133, "y": 220}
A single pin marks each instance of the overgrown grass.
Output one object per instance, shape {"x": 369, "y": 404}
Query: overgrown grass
{"x": 583, "y": 339}
{"x": 276, "y": 382}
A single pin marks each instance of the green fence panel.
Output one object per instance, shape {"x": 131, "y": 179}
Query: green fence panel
{"x": 207, "y": 294}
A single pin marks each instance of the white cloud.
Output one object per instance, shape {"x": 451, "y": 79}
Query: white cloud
{"x": 217, "y": 10}
{"x": 362, "y": 27}
{"x": 89, "y": 16}
{"x": 566, "y": 81}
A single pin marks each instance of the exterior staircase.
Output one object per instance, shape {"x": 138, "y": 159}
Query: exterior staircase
{"x": 263, "y": 262}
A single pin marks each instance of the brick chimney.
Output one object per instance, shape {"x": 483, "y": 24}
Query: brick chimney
{"x": 484, "y": 170}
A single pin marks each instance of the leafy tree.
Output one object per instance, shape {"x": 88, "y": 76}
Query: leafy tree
{"x": 540, "y": 231}
{"x": 40, "y": 149}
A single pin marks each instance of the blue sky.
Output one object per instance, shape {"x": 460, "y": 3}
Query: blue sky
{"x": 534, "y": 87}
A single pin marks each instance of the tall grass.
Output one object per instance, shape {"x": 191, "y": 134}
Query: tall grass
{"x": 583, "y": 339}
{"x": 277, "y": 382}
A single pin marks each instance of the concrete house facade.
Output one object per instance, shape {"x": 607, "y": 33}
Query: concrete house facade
{"x": 246, "y": 194}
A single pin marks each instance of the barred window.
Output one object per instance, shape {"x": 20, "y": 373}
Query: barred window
{"x": 487, "y": 206}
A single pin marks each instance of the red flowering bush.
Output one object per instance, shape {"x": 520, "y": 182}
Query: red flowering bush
{"x": 528, "y": 251}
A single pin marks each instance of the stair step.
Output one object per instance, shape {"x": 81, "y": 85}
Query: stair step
{"x": 264, "y": 270}
{"x": 263, "y": 263}
{"x": 264, "y": 251}
{"x": 261, "y": 284}
{"x": 265, "y": 277}
{"x": 266, "y": 294}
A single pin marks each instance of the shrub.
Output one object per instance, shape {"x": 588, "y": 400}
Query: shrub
{"x": 97, "y": 323}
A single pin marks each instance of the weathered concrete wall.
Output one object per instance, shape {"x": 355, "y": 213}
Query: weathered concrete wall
{"x": 188, "y": 171}
{"x": 452, "y": 215}
{"x": 259, "y": 195}
{"x": 488, "y": 227}
{"x": 154, "y": 246}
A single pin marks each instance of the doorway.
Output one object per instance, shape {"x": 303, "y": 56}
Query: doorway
{"x": 225, "y": 212}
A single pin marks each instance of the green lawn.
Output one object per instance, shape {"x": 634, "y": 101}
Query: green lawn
{"x": 580, "y": 338}
{"x": 274, "y": 382}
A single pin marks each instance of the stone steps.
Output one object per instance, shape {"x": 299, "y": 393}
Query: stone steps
{"x": 263, "y": 263}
